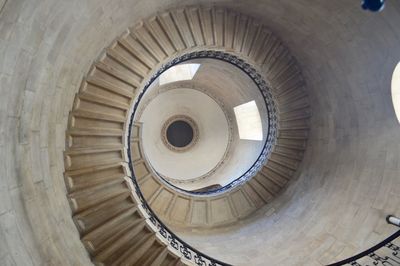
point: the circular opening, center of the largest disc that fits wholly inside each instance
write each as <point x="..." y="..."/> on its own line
<point x="179" y="134"/>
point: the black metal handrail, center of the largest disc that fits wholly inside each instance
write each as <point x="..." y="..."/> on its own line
<point x="386" y="253"/>
<point x="174" y="241"/>
<point x="390" y="251"/>
<point x="267" y="97"/>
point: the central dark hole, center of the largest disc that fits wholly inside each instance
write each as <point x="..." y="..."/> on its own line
<point x="179" y="134"/>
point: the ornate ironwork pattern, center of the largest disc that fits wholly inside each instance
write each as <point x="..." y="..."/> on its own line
<point x="385" y="253"/>
<point x="175" y="242"/>
<point x="272" y="112"/>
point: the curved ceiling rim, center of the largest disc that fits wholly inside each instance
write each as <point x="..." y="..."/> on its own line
<point x="265" y="91"/>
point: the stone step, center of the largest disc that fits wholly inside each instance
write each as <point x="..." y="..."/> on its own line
<point x="104" y="235"/>
<point x="99" y="214"/>
<point x="84" y="199"/>
<point x="109" y="102"/>
<point x="123" y="245"/>
<point x="138" y="51"/>
<point x="90" y="157"/>
<point x="120" y="54"/>
<point x="274" y="176"/>
<point x="260" y="190"/>
<point x="145" y="254"/>
<point x="117" y="71"/>
<point x="111" y="85"/>
<point x="290" y="153"/>
<point x="149" y="41"/>
<point x="93" y="176"/>
<point x="104" y="210"/>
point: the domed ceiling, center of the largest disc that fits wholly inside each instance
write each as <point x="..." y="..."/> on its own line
<point x="210" y="101"/>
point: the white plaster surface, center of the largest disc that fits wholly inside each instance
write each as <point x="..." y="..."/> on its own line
<point x="230" y="87"/>
<point x="211" y="144"/>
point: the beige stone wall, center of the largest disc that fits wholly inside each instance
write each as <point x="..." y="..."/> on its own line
<point x="46" y="47"/>
<point x="350" y="176"/>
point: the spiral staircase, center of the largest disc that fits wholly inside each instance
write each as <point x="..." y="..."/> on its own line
<point x="112" y="226"/>
<point x="124" y="213"/>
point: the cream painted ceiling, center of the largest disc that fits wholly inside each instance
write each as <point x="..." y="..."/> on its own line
<point x="221" y="155"/>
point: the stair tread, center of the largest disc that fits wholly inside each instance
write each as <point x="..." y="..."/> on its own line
<point x="98" y="115"/>
<point x="87" y="96"/>
<point x="99" y="82"/>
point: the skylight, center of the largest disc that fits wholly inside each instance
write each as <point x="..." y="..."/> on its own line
<point x="179" y="72"/>
<point x="249" y="121"/>
<point x="396" y="91"/>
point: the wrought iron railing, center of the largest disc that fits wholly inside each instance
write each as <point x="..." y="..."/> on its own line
<point x="177" y="244"/>
<point x="386" y="253"/>
<point x="181" y="247"/>
<point x="265" y="92"/>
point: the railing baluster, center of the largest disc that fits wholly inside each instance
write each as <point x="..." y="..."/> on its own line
<point x="385" y="253"/>
<point x="175" y="242"/>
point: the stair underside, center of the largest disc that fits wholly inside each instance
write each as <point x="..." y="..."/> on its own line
<point x="112" y="227"/>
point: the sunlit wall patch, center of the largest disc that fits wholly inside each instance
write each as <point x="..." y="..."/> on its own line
<point x="249" y="121"/>
<point x="178" y="73"/>
<point x="396" y="91"/>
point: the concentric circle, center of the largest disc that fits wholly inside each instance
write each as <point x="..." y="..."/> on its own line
<point x="180" y="133"/>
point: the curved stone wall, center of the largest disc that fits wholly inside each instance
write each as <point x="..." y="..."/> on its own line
<point x="350" y="177"/>
<point x="45" y="48"/>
